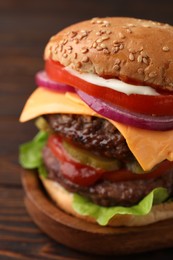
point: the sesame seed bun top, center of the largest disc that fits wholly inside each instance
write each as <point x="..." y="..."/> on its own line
<point x="117" y="47"/>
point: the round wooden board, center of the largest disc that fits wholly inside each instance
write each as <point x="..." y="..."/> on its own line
<point x="88" y="237"/>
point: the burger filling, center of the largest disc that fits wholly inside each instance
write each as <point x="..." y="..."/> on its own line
<point x="92" y="133"/>
<point x="105" y="192"/>
<point x="89" y="156"/>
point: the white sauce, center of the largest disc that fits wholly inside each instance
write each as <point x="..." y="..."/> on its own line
<point x="114" y="84"/>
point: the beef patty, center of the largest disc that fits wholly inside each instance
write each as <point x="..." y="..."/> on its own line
<point x="106" y="193"/>
<point x="91" y="133"/>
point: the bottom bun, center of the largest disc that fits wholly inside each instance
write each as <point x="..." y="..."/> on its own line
<point x="63" y="200"/>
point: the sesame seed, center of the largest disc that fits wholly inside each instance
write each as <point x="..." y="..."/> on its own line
<point x="105" y="38"/>
<point x="105" y="23"/>
<point x="131" y="57"/>
<point x="143" y="53"/>
<point x="117" y="61"/>
<point x="65" y="41"/>
<point x="99" y="48"/>
<point x="118" y="44"/>
<point x="73" y="34"/>
<point x="139" y="58"/>
<point x="76" y="41"/>
<point x="75" y="55"/>
<point x="116" y="67"/>
<point x="121" y="46"/>
<point x="121" y="35"/>
<point x="81" y="37"/>
<point x="98" y="33"/>
<point x="84" y="50"/>
<point x="99" y="21"/>
<point x="61" y="48"/>
<point x="115" y="44"/>
<point x="94" y="45"/>
<point x="84" y="34"/>
<point x="61" y="42"/>
<point x="146" y="25"/>
<point x="78" y="64"/>
<point x="165" y="48"/>
<point x="69" y="51"/>
<point x="140" y="71"/>
<point x="106" y="51"/>
<point x="99" y="40"/>
<point x="166" y="25"/>
<point x="167" y="80"/>
<point x="90" y="45"/>
<point x="131" y="25"/>
<point x="103" y="45"/>
<point x="55" y="47"/>
<point x="108" y="32"/>
<point x="85" y="59"/>
<point x="52" y="38"/>
<point x="65" y="55"/>
<point x="129" y="30"/>
<point x="69" y="48"/>
<point x="115" y="50"/>
<point x="152" y="74"/>
<point x="93" y="20"/>
<point x="145" y="60"/>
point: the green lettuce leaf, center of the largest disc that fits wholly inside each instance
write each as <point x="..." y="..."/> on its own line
<point x="30" y="156"/>
<point x="42" y="171"/>
<point x="103" y="214"/>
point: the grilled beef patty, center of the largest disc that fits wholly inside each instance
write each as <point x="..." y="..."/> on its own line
<point x="91" y="133"/>
<point x="106" y="193"/>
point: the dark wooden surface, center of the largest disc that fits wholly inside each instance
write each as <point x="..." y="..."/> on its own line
<point x="25" y="27"/>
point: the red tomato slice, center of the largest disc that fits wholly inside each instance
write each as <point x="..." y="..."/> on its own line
<point x="80" y="174"/>
<point x="75" y="172"/>
<point x="125" y="175"/>
<point x="158" y="105"/>
<point x="86" y="176"/>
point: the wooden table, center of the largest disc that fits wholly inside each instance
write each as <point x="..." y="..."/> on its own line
<point x="25" y="27"/>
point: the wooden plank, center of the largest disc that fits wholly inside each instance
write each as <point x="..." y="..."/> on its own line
<point x="25" y="27"/>
<point x="19" y="237"/>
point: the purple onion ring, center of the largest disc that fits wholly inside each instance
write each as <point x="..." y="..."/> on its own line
<point x="43" y="80"/>
<point x="126" y="117"/>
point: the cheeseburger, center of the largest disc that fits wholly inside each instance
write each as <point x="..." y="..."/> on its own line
<point x="104" y="110"/>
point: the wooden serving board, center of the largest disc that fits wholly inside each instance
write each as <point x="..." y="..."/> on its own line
<point x="87" y="237"/>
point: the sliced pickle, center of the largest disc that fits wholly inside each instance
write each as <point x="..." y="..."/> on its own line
<point x="135" y="167"/>
<point x="88" y="158"/>
<point x="43" y="125"/>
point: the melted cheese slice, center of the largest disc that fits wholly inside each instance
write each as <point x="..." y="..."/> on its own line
<point x="149" y="147"/>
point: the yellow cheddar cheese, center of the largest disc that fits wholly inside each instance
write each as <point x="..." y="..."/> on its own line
<point x="149" y="147"/>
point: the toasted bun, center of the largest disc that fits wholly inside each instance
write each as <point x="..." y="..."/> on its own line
<point x="125" y="48"/>
<point x="63" y="199"/>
